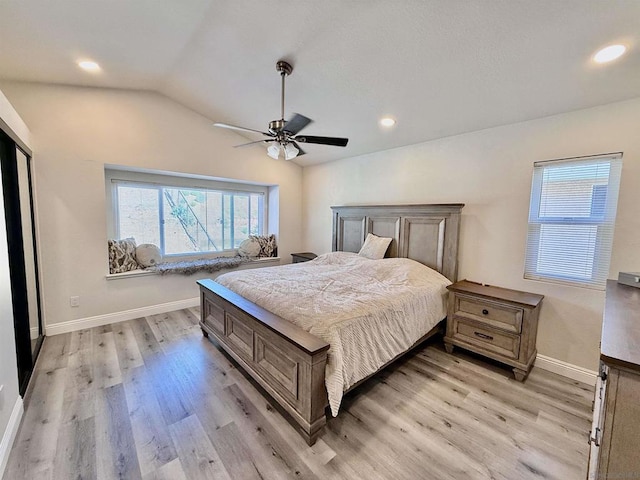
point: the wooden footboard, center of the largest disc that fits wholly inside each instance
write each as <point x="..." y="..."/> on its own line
<point x="288" y="362"/>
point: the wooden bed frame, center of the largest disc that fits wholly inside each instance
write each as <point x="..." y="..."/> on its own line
<point x="288" y="362"/>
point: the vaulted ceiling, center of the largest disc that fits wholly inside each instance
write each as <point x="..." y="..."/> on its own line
<point x="440" y="67"/>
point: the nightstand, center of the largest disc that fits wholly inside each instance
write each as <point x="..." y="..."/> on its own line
<point x="496" y="322"/>
<point x="302" y="257"/>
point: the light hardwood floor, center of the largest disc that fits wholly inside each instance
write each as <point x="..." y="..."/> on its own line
<point x="152" y="399"/>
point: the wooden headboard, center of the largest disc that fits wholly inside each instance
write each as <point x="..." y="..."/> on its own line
<point x="425" y="233"/>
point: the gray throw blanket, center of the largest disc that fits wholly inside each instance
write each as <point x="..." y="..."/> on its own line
<point x="202" y="264"/>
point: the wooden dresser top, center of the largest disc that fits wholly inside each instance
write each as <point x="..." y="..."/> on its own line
<point x="621" y="326"/>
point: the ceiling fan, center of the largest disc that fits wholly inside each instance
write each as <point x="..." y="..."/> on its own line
<point x="284" y="135"/>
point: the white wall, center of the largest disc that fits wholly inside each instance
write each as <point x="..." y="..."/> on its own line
<point x="78" y="131"/>
<point x="490" y="171"/>
<point x="8" y="362"/>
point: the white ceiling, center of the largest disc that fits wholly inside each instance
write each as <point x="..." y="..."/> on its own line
<point x="441" y="67"/>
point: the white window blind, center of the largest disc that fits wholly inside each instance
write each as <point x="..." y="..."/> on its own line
<point x="571" y="219"/>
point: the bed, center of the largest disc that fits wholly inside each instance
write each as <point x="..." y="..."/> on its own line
<point x="287" y="353"/>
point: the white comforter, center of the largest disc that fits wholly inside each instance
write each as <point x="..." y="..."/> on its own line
<point x="369" y="311"/>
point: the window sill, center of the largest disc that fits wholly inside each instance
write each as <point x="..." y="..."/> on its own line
<point x="132" y="273"/>
<point x="256" y="263"/>
<point x="562" y="281"/>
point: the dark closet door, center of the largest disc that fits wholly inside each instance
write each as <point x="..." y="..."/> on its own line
<point x="23" y="265"/>
<point x="23" y="166"/>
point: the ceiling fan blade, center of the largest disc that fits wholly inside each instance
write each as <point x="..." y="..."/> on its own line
<point x="297" y="123"/>
<point x="335" y="141"/>
<point x="242" y="129"/>
<point x="300" y="151"/>
<point x="266" y="140"/>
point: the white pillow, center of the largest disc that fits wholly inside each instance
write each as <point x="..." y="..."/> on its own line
<point x="148" y="255"/>
<point x="374" y="247"/>
<point x="249" y="248"/>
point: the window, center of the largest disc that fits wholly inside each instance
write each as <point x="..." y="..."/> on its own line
<point x="183" y="219"/>
<point x="571" y="219"/>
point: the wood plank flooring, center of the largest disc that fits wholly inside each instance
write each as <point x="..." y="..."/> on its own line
<point x="152" y="399"/>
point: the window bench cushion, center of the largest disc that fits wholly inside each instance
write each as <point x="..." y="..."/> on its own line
<point x="200" y="265"/>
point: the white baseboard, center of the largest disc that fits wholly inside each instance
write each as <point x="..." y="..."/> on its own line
<point x="10" y="434"/>
<point x="566" y="369"/>
<point x="99" y="320"/>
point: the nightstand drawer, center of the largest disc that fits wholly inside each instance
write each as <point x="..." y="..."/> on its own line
<point x="501" y="343"/>
<point x="497" y="315"/>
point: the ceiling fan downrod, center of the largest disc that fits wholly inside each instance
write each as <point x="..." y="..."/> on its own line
<point x="285" y="69"/>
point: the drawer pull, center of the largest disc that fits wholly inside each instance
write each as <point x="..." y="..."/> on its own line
<point x="485" y="312"/>
<point x="482" y="335"/>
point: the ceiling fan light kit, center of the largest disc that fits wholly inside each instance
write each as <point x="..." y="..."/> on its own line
<point x="290" y="152"/>
<point x="284" y="134"/>
<point x="273" y="151"/>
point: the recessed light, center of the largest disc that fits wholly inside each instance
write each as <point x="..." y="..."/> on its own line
<point x="609" y="53"/>
<point x="387" y="122"/>
<point x="89" y="66"/>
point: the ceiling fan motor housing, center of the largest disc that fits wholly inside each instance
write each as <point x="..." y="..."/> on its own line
<point x="276" y="126"/>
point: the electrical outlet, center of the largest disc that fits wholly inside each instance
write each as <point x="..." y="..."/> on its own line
<point x="74" y="301"/>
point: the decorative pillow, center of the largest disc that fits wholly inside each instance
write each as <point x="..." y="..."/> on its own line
<point x="122" y="255"/>
<point x="268" y="247"/>
<point x="374" y="247"/>
<point x="249" y="248"/>
<point x="148" y="255"/>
